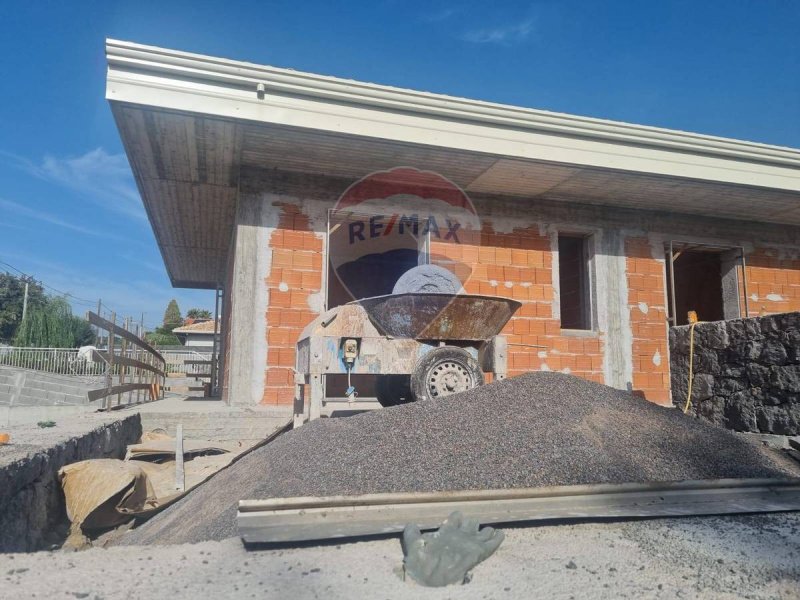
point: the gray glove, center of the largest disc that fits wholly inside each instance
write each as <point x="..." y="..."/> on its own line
<point x="446" y="556"/>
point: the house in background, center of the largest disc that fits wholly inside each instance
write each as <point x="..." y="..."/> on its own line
<point x="606" y="232"/>
<point x="198" y="336"/>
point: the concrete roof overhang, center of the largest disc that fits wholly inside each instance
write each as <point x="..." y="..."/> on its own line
<point x="190" y="123"/>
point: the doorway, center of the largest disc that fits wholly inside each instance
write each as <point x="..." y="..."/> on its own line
<point x="704" y="279"/>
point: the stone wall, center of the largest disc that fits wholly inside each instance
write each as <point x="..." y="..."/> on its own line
<point x="746" y="372"/>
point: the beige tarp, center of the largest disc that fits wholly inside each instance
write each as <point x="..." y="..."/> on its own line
<point x="103" y="493"/>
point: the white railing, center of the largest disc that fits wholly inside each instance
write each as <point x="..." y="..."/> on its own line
<point x="65" y="361"/>
<point x="62" y="361"/>
<point x="177" y="361"/>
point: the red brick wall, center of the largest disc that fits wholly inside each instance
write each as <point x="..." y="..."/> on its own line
<point x="648" y="316"/>
<point x="295" y="275"/>
<point x="774" y="279"/>
<point x="516" y="264"/>
<point x="519" y="265"/>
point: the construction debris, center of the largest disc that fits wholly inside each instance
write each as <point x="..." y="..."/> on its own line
<point x="539" y="429"/>
<point x="105" y="493"/>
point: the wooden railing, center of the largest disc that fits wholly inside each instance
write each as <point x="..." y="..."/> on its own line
<point x="140" y="368"/>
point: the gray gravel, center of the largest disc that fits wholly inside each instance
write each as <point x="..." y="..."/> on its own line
<point x="538" y="429"/>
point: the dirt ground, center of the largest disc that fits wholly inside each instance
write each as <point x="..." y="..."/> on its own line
<point x="701" y="557"/>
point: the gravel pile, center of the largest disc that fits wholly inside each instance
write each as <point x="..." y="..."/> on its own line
<point x="539" y="429"/>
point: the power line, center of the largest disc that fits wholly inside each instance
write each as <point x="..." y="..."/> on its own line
<point x="83" y="301"/>
<point x="69" y="295"/>
<point x="50" y="287"/>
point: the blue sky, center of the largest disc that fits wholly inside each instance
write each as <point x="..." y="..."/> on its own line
<point x="69" y="211"/>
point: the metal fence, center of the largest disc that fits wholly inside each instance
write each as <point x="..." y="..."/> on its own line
<point x="68" y="361"/>
<point x="61" y="361"/>
<point x="190" y="362"/>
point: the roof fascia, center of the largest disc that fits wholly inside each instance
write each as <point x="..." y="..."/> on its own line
<point x="173" y="80"/>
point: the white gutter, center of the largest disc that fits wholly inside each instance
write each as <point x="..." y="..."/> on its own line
<point x="184" y="65"/>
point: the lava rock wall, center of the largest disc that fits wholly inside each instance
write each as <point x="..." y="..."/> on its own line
<point x="746" y="372"/>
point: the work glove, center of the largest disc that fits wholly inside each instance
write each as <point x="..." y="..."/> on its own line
<point x="447" y="555"/>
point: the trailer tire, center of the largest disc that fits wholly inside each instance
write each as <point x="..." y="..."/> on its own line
<point x="392" y="390"/>
<point x="443" y="372"/>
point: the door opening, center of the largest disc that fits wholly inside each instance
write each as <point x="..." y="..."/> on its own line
<point x="704" y="279"/>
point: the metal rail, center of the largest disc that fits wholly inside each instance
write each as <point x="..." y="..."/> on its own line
<point x="59" y="361"/>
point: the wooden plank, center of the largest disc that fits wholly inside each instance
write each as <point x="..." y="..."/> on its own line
<point x="120" y="389"/>
<point x="131" y="362"/>
<point x="180" y="475"/>
<point x="504" y="494"/>
<point x="99" y="321"/>
<point x="299" y="519"/>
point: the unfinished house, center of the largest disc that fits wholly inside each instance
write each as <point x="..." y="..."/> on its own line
<point x="256" y="181"/>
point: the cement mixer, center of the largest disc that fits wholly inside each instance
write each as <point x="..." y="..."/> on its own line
<point x="420" y="345"/>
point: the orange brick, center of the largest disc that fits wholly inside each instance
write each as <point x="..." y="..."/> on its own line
<point x="520" y="326"/>
<point x="292" y="278"/>
<point x="294" y="239"/>
<point x="486" y="255"/>
<point x="303" y="259"/>
<point x="310" y="280"/>
<point x="503" y="256"/>
<point x="299" y="298"/>
<point x="279" y="336"/>
<point x="552" y="327"/>
<point x="279" y="376"/>
<point x="279" y="298"/>
<point x="312" y="242"/>
<point x="282" y="257"/>
<point x="276" y="238"/>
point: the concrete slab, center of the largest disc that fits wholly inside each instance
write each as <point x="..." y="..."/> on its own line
<point x="211" y="419"/>
<point x="710" y="557"/>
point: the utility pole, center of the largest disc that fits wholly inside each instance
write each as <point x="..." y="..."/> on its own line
<point x="25" y="302"/>
<point x="98" y="334"/>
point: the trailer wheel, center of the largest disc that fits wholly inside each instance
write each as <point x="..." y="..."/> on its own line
<point x="392" y="390"/>
<point x="443" y="372"/>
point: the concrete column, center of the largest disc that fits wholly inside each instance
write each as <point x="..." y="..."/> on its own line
<point x="248" y="297"/>
<point x="612" y="308"/>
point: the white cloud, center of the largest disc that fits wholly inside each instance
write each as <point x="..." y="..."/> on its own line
<point x="439" y="16"/>
<point x="97" y="176"/>
<point x="7" y="206"/>
<point x="504" y="35"/>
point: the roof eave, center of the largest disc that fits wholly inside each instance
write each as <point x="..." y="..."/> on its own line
<point x="238" y="75"/>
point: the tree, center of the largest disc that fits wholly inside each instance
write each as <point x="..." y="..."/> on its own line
<point x="172" y="316"/>
<point x="12" y="293"/>
<point x="163" y="336"/>
<point x="158" y="338"/>
<point x="198" y="313"/>
<point x="53" y="326"/>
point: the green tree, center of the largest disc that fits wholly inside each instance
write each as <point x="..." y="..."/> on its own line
<point x="198" y="313"/>
<point x="163" y="336"/>
<point x="53" y="326"/>
<point x="172" y="317"/>
<point x="159" y="338"/>
<point x="12" y="292"/>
